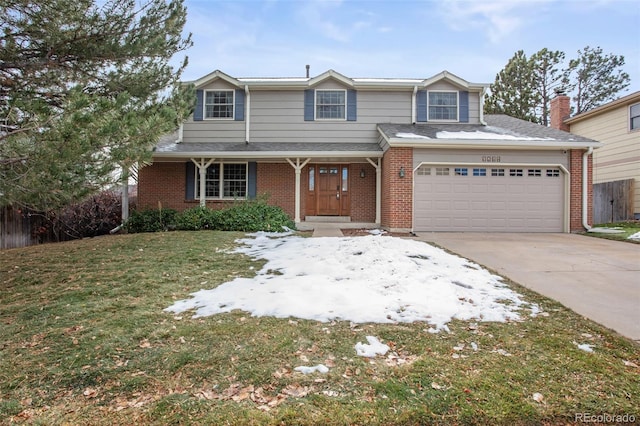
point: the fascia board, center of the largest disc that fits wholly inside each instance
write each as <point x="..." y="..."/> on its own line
<point x="271" y="154"/>
<point x="446" y="75"/>
<point x="618" y="103"/>
<point x="485" y="144"/>
<point x="330" y="74"/>
<point x="217" y="74"/>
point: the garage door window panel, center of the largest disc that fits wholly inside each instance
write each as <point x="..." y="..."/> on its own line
<point x="516" y="172"/>
<point x="424" y="171"/>
<point x="497" y="172"/>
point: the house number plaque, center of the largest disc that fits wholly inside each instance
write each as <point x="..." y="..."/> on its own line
<point x="490" y="158"/>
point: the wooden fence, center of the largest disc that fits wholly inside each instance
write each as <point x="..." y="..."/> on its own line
<point x="613" y="201"/>
<point x="18" y="228"/>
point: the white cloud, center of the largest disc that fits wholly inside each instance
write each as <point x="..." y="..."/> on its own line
<point x="497" y="19"/>
<point x="320" y="15"/>
<point x="329" y="19"/>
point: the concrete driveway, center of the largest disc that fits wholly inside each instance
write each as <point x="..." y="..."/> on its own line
<point x="597" y="278"/>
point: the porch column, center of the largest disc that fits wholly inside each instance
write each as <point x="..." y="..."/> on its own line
<point x="298" y="168"/>
<point x="125" y="194"/>
<point x="202" y="169"/>
<point x="378" y="168"/>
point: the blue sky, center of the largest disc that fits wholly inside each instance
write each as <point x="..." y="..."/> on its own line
<point x="413" y="39"/>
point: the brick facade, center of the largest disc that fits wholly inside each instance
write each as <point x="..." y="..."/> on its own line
<point x="397" y="192"/>
<point x="561" y="110"/>
<point x="575" y="190"/>
<point x="363" y="193"/>
<point x="277" y="182"/>
<point x="163" y="184"/>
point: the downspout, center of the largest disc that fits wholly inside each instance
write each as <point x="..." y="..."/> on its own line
<point x="247" y="113"/>
<point x="484" y="92"/>
<point x="585" y="188"/>
<point x="413" y="105"/>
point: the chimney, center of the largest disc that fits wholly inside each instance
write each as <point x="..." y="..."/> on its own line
<point x="308" y="66"/>
<point x="560" y="111"/>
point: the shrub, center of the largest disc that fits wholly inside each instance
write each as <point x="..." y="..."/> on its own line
<point x="246" y="216"/>
<point x="95" y="215"/>
<point x="195" y="219"/>
<point x="152" y="220"/>
<point x="251" y="216"/>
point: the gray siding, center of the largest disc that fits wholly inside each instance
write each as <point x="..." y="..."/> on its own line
<point x="278" y="116"/>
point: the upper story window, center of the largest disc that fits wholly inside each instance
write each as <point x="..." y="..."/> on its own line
<point x="634" y="117"/>
<point x="443" y="106"/>
<point x="218" y="104"/>
<point x="330" y="104"/>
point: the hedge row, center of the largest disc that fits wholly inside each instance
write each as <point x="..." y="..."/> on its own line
<point x="248" y="216"/>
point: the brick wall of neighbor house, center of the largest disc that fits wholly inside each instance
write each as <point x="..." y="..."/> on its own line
<point x="162" y="183"/>
<point x="397" y="192"/>
<point x="575" y="197"/>
<point x="363" y="193"/>
<point x="277" y="181"/>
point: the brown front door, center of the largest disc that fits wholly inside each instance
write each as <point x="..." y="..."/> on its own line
<point x="329" y="189"/>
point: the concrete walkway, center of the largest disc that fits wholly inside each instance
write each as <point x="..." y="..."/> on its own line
<point x="327" y="230"/>
<point x="597" y="278"/>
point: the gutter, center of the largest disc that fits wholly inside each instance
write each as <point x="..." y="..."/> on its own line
<point x="247" y="113"/>
<point x="585" y="187"/>
<point x="482" y="93"/>
<point x="413" y="105"/>
<point x="265" y="154"/>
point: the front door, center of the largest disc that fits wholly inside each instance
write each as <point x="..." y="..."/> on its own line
<point x="329" y="188"/>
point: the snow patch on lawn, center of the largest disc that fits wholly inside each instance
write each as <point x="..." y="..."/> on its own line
<point x="376" y="279"/>
<point x="320" y="368"/>
<point x="373" y="348"/>
<point x="635" y="236"/>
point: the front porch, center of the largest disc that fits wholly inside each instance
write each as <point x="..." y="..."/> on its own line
<point x="331" y="226"/>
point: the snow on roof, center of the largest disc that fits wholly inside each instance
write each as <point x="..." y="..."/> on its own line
<point x="364" y="279"/>
<point x="411" y="136"/>
<point x="478" y="135"/>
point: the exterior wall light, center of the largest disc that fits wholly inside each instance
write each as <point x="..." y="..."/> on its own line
<point x="401" y="173"/>
<point x="362" y="173"/>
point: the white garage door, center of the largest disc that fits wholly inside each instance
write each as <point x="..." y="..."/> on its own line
<point x="482" y="199"/>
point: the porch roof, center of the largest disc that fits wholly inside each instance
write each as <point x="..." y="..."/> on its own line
<point x="170" y="147"/>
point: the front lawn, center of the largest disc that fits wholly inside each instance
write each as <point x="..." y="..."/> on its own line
<point x="84" y="339"/>
<point x="622" y="231"/>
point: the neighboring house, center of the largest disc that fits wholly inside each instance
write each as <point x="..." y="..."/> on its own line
<point x="403" y="154"/>
<point x="617" y="125"/>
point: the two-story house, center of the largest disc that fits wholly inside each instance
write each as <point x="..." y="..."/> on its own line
<point x="404" y="154"/>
